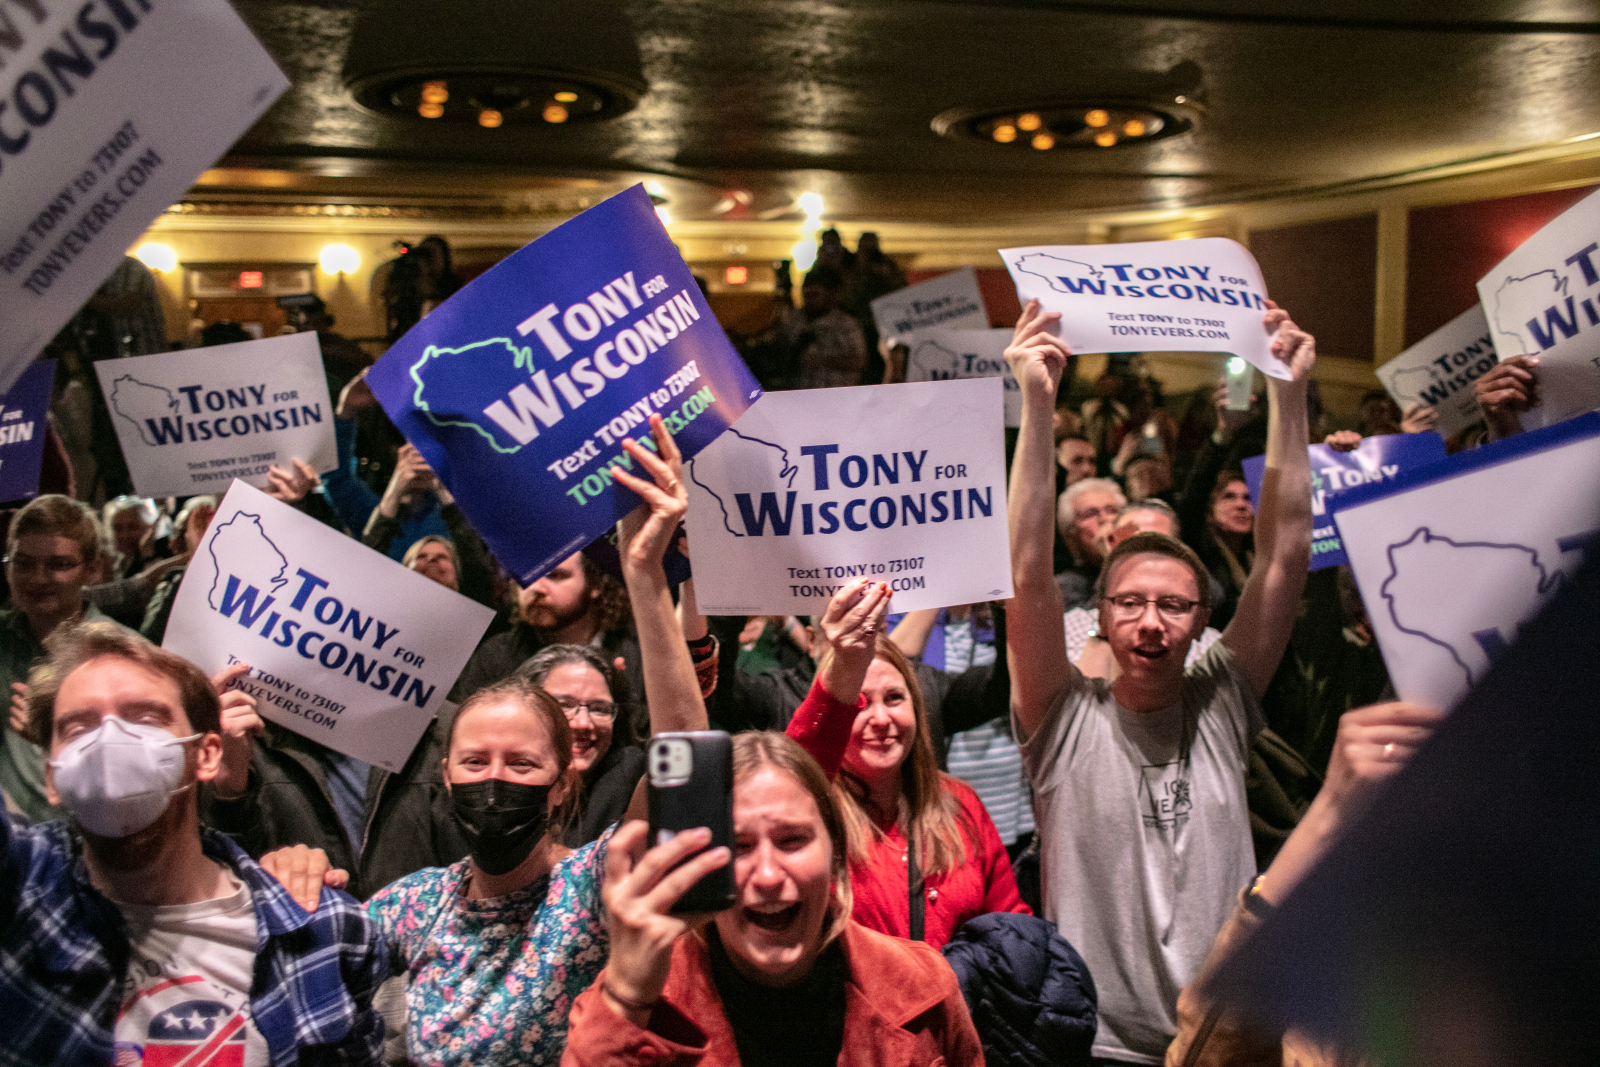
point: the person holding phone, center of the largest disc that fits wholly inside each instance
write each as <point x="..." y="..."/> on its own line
<point x="491" y="950"/>
<point x="865" y="723"/>
<point x="787" y="950"/>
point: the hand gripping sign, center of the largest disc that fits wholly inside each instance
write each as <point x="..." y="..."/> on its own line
<point x="345" y="646"/>
<point x="111" y="109"/>
<point x="191" y="422"/>
<point x="1544" y="300"/>
<point x="1453" y="558"/>
<point x="1204" y="295"/>
<point x="519" y="389"/>
<point x="819" y="486"/>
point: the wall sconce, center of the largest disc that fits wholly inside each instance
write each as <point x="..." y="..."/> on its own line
<point x="339" y="259"/>
<point x="157" y="256"/>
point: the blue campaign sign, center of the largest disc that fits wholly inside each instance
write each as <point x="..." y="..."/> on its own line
<point x="519" y="389"/>
<point x="23" y="411"/>
<point x="1378" y="459"/>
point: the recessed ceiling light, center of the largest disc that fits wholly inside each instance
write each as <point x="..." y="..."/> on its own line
<point x="555" y="113"/>
<point x="565" y="97"/>
<point x="1067" y="124"/>
<point x="490" y="118"/>
<point x="430" y="111"/>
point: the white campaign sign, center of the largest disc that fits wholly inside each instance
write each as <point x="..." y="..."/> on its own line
<point x="345" y="645"/>
<point x="1202" y="295"/>
<point x="115" y="107"/>
<point x="816" y="487"/>
<point x="190" y="422"/>
<point x="1450" y="568"/>
<point x="1439" y="370"/>
<point x="940" y="355"/>
<point x="1544" y="299"/>
<point x="950" y="300"/>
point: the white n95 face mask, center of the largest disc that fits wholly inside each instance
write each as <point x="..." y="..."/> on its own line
<point x="117" y="778"/>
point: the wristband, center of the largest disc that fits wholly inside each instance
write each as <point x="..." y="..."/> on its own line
<point x="702" y="646"/>
<point x="631" y="1005"/>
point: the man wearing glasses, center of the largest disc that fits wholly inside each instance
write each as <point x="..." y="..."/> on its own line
<point x="52" y="552"/>
<point x="1139" y="782"/>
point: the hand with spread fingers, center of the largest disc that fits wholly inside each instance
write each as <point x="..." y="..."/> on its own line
<point x="850" y="627"/>
<point x="640" y="890"/>
<point x="303" y="872"/>
<point x="645" y="532"/>
<point x="241" y="725"/>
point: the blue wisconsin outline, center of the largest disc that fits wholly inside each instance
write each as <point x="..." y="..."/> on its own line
<point x="786" y="473"/>
<point x="523" y="361"/>
<point x="1547" y="583"/>
<point x="277" y="582"/>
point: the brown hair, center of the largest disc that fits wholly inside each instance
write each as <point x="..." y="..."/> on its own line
<point x="1161" y="545"/>
<point x="70" y="647"/>
<point x="520" y="691"/>
<point x="930" y="815"/>
<point x="756" y="749"/>
<point x="611" y="608"/>
<point x="1224" y="479"/>
<point x="58" y="516"/>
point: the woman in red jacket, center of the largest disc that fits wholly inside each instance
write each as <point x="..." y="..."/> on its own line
<point x="784" y="976"/>
<point x="864" y="722"/>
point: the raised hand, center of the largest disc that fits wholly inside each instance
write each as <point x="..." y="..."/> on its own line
<point x="1510" y="388"/>
<point x="1372" y="744"/>
<point x="1419" y="418"/>
<point x="645" y="532"/>
<point x="640" y="889"/>
<point x="1229" y="422"/>
<point x="292" y="485"/>
<point x="1036" y="355"/>
<point x="850" y="627"/>
<point x="240" y="726"/>
<point x="1292" y="346"/>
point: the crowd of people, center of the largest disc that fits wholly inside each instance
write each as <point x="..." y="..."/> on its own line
<point x="1117" y="771"/>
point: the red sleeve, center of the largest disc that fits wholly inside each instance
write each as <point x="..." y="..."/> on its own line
<point x="822" y="725"/>
<point x="597" y="1037"/>
<point x="999" y="883"/>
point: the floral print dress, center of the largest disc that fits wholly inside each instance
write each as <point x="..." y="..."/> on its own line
<point x="491" y="981"/>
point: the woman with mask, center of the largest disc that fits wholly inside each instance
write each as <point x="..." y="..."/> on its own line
<point x="785" y="976"/>
<point x="594" y="696"/>
<point x="493" y="948"/>
<point x="864" y="721"/>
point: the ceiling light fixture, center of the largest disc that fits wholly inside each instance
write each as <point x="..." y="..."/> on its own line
<point x="1072" y="124"/>
<point x="534" y="63"/>
<point x="157" y="256"/>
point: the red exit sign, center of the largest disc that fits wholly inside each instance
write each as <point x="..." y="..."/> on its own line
<point x="250" y="279"/>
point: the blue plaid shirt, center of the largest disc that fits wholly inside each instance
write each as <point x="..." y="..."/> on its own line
<point x="64" y="953"/>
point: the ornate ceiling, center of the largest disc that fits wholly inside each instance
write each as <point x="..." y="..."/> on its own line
<point x="753" y="101"/>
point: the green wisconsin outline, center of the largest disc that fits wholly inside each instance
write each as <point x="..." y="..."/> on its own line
<point x="523" y="361"/>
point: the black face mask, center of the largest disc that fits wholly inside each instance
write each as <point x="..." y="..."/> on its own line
<point x="502" y="821"/>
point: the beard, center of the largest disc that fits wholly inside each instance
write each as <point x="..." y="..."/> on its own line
<point x="544" y="616"/>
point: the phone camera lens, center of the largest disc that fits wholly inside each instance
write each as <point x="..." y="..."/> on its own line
<point x="663" y="766"/>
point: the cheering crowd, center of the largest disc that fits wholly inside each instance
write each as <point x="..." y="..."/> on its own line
<point x="1012" y="831"/>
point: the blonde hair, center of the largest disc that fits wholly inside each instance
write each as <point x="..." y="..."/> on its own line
<point x="930" y="815"/>
<point x="756" y="749"/>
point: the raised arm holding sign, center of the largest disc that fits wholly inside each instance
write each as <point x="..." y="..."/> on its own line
<point x="1139" y="783"/>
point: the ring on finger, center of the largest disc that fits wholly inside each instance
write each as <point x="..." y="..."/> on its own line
<point x="1388" y="750"/>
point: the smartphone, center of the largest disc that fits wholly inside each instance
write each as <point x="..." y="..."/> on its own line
<point x="691" y="785"/>
<point x="1241" y="376"/>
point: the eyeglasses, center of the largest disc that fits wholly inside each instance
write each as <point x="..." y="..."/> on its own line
<point x="57" y="565"/>
<point x="1132" y="605"/>
<point x="1107" y="512"/>
<point x="603" y="710"/>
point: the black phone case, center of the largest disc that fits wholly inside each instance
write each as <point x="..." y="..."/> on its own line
<point x="706" y="799"/>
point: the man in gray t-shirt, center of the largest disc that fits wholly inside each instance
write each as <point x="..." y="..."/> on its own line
<point x="1139" y="782"/>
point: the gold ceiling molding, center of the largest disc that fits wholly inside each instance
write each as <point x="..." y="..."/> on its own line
<point x="441" y="212"/>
